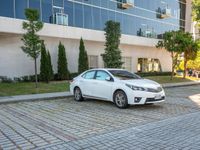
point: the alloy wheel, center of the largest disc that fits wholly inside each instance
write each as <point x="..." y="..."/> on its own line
<point x="78" y="94"/>
<point x="120" y="99"/>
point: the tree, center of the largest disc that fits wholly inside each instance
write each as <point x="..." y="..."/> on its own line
<point x="83" y="58"/>
<point x="195" y="64"/>
<point x="32" y="42"/>
<point x="46" y="71"/>
<point x="196" y="10"/>
<point x="190" y="48"/>
<point x="63" y="72"/>
<point x="172" y="43"/>
<point x="112" y="56"/>
<point x="50" y="67"/>
<point x="43" y="64"/>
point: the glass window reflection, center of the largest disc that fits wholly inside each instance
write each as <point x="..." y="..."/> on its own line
<point x="7" y="8"/>
<point x="20" y="9"/>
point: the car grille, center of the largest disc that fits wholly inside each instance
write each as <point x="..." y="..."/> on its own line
<point x="154" y="100"/>
<point x="157" y="90"/>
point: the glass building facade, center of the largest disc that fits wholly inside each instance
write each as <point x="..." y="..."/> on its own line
<point x="148" y="18"/>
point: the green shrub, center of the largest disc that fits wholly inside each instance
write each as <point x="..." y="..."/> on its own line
<point x="146" y="74"/>
<point x="50" y="67"/>
<point x="112" y="56"/>
<point x="4" y="79"/>
<point x="73" y="75"/>
<point x="43" y="64"/>
<point x="63" y="72"/>
<point x="83" y="58"/>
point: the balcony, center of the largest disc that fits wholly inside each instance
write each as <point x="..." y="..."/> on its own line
<point x="125" y="4"/>
<point x="149" y="33"/>
<point x="59" y="18"/>
<point x="163" y="13"/>
<point x="166" y="13"/>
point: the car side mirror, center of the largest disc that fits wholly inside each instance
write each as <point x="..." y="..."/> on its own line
<point x="109" y="79"/>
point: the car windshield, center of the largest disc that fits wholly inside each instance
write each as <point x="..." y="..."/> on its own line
<point x="124" y="75"/>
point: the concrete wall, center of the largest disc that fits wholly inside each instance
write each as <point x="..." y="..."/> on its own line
<point x="14" y="26"/>
<point x="14" y="63"/>
<point x="188" y="23"/>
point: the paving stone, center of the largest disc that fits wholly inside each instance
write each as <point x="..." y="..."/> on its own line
<point x="66" y="124"/>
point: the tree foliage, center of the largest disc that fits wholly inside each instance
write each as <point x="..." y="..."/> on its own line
<point x="195" y="64"/>
<point x="112" y="56"/>
<point x="196" y="10"/>
<point x="83" y="58"/>
<point x="32" y="42"/>
<point x="172" y="43"/>
<point x="177" y="42"/>
<point x="46" y="71"/>
<point x="50" y="67"/>
<point x="43" y="64"/>
<point x="63" y="72"/>
<point x="190" y="48"/>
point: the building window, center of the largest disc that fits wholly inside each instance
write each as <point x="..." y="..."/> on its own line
<point x="20" y="9"/>
<point x="46" y="10"/>
<point x="149" y="65"/>
<point x="7" y="8"/>
<point x="78" y="15"/>
<point x="127" y="63"/>
<point x="93" y="61"/>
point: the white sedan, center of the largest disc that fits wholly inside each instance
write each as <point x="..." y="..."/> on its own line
<point x="116" y="85"/>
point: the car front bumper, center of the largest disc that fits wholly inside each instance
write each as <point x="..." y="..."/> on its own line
<point x="142" y="97"/>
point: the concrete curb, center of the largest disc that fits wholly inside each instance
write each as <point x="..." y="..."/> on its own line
<point x="34" y="97"/>
<point x="173" y="85"/>
<point x="60" y="95"/>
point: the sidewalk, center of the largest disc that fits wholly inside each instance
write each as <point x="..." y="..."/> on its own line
<point x="34" y="97"/>
<point x="172" y="85"/>
<point x="48" y="96"/>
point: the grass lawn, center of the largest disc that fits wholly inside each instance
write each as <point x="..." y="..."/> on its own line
<point x="166" y="79"/>
<point x="11" y="89"/>
<point x="8" y="89"/>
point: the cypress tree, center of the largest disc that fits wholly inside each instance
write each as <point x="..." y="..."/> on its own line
<point x="63" y="72"/>
<point x="83" y="58"/>
<point x="50" y="68"/>
<point x="112" y="55"/>
<point x="43" y="64"/>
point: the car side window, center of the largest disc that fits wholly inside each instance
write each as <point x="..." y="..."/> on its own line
<point x="89" y="75"/>
<point x="102" y="75"/>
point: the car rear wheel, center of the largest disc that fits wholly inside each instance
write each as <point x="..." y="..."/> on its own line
<point x="120" y="99"/>
<point x="77" y="94"/>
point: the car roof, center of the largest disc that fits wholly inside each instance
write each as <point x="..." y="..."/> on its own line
<point x="106" y="69"/>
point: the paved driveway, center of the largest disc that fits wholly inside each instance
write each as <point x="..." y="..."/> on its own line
<point x="66" y="124"/>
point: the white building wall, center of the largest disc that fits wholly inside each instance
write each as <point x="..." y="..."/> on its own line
<point x="15" y="63"/>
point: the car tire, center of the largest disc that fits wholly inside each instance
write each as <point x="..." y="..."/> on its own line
<point x="78" y="94"/>
<point x="120" y="99"/>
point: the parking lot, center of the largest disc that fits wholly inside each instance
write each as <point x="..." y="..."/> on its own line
<point x="92" y="124"/>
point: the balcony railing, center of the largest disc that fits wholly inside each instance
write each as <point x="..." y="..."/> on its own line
<point x="59" y="18"/>
<point x="125" y="4"/>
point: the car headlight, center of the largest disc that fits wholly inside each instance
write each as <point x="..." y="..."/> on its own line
<point x="157" y="90"/>
<point x="136" y="88"/>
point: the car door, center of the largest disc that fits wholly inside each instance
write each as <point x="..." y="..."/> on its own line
<point x="102" y="88"/>
<point x="86" y="83"/>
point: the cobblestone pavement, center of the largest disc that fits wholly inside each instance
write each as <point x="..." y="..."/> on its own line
<point x="66" y="124"/>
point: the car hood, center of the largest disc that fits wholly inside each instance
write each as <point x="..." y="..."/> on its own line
<point x="142" y="83"/>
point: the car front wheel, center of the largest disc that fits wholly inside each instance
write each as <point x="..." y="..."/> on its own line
<point x="77" y="94"/>
<point x="120" y="99"/>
